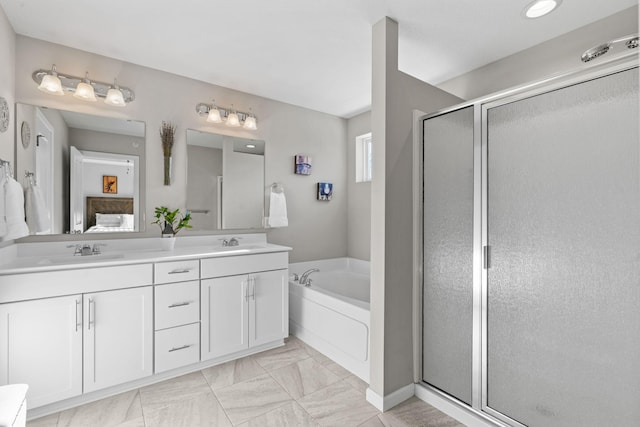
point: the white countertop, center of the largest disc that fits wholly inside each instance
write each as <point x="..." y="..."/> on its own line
<point x="53" y="256"/>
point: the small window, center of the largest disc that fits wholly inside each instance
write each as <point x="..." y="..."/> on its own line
<point x="364" y="163"/>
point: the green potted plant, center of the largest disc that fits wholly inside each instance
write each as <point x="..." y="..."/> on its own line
<point x="170" y="223"/>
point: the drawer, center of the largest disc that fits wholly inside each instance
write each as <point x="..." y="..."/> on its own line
<point x="176" y="304"/>
<point x="176" y="271"/>
<point x="177" y="347"/>
<point x="232" y="265"/>
<point x="19" y="287"/>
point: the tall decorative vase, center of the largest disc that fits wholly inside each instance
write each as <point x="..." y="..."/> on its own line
<point x="167" y="170"/>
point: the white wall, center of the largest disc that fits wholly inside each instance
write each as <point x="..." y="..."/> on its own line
<point x="394" y="97"/>
<point x="557" y="55"/>
<point x="359" y="204"/>
<point x="317" y="230"/>
<point x="7" y="82"/>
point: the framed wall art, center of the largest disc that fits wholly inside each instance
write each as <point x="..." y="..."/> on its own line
<point x="109" y="184"/>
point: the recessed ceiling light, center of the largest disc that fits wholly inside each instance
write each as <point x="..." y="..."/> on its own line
<point x="540" y="8"/>
<point x="250" y="146"/>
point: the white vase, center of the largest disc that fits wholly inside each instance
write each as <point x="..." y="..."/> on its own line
<point x="168" y="242"/>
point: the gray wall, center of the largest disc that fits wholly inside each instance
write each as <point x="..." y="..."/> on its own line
<point x="395" y="96"/>
<point x="317" y="230"/>
<point x="359" y="204"/>
<point x="560" y="54"/>
<point x="7" y="82"/>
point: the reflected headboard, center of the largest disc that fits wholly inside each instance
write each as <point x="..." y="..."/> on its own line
<point x="107" y="205"/>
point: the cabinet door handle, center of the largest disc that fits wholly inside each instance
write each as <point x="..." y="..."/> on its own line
<point x="245" y="286"/>
<point x="179" y="304"/>
<point x="179" y="348"/>
<point x="77" y="308"/>
<point x="252" y="283"/>
<point x="91" y="318"/>
<point x="180" y="271"/>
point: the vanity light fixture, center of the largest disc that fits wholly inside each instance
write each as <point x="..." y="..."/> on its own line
<point x="539" y="8"/>
<point x="229" y="116"/>
<point x="55" y="83"/>
<point x="84" y="90"/>
<point x="50" y="83"/>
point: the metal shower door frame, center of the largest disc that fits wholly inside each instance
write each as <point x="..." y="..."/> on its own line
<point x="481" y="256"/>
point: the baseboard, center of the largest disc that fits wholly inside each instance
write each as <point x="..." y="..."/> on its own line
<point x="466" y="415"/>
<point x="390" y="400"/>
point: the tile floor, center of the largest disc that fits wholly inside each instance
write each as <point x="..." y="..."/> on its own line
<point x="293" y="385"/>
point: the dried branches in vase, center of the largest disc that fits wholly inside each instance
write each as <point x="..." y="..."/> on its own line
<point x="167" y="134"/>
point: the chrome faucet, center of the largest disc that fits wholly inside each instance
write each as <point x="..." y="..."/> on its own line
<point x="81" y="250"/>
<point x="231" y="242"/>
<point x="86" y="249"/>
<point x="304" y="279"/>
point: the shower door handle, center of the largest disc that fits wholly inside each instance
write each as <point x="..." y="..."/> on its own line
<point x="486" y="256"/>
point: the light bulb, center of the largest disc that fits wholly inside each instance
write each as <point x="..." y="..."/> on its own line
<point x="84" y="90"/>
<point x="114" y="96"/>
<point x="51" y="83"/>
<point x="250" y="123"/>
<point x="214" y="115"/>
<point x="233" y="120"/>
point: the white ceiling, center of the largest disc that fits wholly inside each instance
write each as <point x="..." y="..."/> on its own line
<point x="315" y="54"/>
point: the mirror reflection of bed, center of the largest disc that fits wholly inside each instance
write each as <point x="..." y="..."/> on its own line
<point x="109" y="215"/>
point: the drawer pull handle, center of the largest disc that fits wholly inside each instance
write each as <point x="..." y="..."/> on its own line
<point x="179" y="348"/>
<point x="184" y="270"/>
<point x="179" y="304"/>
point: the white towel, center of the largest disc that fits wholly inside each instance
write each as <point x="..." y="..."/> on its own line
<point x="3" y="220"/>
<point x="278" y="210"/>
<point x="14" y="210"/>
<point x="36" y="210"/>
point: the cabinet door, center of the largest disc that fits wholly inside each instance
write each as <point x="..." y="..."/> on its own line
<point x="41" y="345"/>
<point x="224" y="316"/>
<point x="268" y="307"/>
<point x="118" y="335"/>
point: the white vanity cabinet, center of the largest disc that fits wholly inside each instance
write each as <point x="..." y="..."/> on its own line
<point x="75" y="331"/>
<point x="117" y="337"/>
<point x="244" y="302"/>
<point x="41" y="345"/>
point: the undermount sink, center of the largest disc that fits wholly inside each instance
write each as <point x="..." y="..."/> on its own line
<point x="237" y="249"/>
<point x="78" y="259"/>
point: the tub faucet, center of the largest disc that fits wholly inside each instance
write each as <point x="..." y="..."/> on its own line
<point x="304" y="279"/>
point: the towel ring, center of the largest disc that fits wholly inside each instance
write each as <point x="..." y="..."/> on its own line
<point x="277" y="188"/>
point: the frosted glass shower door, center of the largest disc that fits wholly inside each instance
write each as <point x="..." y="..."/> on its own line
<point x="563" y="313"/>
<point x="448" y="253"/>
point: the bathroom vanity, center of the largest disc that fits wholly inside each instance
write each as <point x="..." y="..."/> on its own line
<point x="77" y="328"/>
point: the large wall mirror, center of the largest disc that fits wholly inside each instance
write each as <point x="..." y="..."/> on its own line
<point x="90" y="170"/>
<point x="225" y="181"/>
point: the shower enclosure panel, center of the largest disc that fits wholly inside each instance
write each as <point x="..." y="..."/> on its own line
<point x="448" y="159"/>
<point x="563" y="228"/>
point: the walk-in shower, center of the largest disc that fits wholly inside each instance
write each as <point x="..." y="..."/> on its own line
<point x="531" y="252"/>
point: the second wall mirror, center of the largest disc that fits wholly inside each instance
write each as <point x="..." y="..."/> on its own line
<point x="225" y="181"/>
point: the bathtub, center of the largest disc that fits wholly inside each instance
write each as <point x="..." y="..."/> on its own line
<point x="332" y="315"/>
